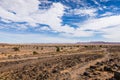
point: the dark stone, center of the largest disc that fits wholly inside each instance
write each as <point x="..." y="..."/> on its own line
<point x="111" y="60"/>
<point x="92" y="67"/>
<point x="97" y="79"/>
<point x="86" y="74"/>
<point x="101" y="69"/>
<point x="95" y="73"/>
<point x="106" y="68"/>
<point x="117" y="75"/>
<point x="55" y="71"/>
<point x="116" y="65"/>
<point x="99" y="63"/>
<point x="112" y="79"/>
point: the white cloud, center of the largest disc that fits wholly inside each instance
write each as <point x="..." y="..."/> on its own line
<point x="44" y="28"/>
<point x="95" y="1"/>
<point x="22" y="8"/>
<point x="97" y="24"/>
<point x="104" y="0"/>
<point x="107" y="14"/>
<point x="109" y="27"/>
<point x="99" y="5"/>
<point x="79" y="33"/>
<point x="28" y="11"/>
<point x="32" y="38"/>
<point x="112" y="33"/>
<point x="84" y="11"/>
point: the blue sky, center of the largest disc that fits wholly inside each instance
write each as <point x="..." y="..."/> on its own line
<point x="59" y="21"/>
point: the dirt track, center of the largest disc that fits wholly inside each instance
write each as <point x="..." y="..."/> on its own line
<point x="92" y="64"/>
<point x="80" y="69"/>
<point x="62" y="67"/>
<point x="45" y="69"/>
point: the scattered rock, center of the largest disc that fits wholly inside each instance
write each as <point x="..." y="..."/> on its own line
<point x="111" y="60"/>
<point x="99" y="63"/>
<point x="92" y="67"/>
<point x="117" y="75"/>
<point x="86" y="74"/>
<point x="112" y="79"/>
<point x="106" y="68"/>
<point x="116" y="65"/>
<point x="55" y="71"/>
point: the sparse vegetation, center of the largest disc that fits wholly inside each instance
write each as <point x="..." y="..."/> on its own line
<point x="15" y="48"/>
<point x="59" y="61"/>
<point x="57" y="49"/>
<point x="86" y="46"/>
<point x="34" y="52"/>
<point x="61" y="48"/>
<point x="3" y="45"/>
<point x="41" y="48"/>
<point x="77" y="46"/>
<point x="100" y="45"/>
<point x="10" y="56"/>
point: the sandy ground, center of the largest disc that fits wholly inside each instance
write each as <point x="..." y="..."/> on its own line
<point x="71" y="62"/>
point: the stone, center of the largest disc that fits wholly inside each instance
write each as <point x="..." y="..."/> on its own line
<point x="86" y="73"/>
<point x="99" y="63"/>
<point x="117" y="75"/>
<point x="55" y="71"/>
<point x="92" y="67"/>
<point x="106" y="68"/>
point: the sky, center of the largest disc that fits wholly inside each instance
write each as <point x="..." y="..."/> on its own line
<point x="59" y="21"/>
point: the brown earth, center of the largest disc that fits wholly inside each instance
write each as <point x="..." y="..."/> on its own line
<point x="70" y="62"/>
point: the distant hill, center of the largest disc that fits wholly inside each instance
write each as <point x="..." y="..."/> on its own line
<point x="98" y="42"/>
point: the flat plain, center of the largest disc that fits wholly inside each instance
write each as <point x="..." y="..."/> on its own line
<point x="60" y="61"/>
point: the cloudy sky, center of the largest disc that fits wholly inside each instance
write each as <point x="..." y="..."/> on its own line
<point x="59" y="21"/>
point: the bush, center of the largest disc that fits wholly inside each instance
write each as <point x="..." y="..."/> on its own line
<point x="77" y="46"/>
<point x="57" y="49"/>
<point x="100" y="45"/>
<point x="15" y="49"/>
<point x="86" y="46"/>
<point x="34" y="52"/>
<point x="61" y="48"/>
<point x="41" y="48"/>
<point x="70" y="47"/>
<point x="10" y="57"/>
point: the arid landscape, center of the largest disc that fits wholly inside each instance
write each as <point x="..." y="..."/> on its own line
<point x="59" y="39"/>
<point x="60" y="61"/>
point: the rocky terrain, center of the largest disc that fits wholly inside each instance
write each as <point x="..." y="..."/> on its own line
<point x="104" y="70"/>
<point x="85" y="62"/>
<point x="55" y="68"/>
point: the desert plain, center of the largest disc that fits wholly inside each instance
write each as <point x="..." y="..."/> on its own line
<point x="59" y="61"/>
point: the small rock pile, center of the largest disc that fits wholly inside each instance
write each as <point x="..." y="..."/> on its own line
<point x="105" y="70"/>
